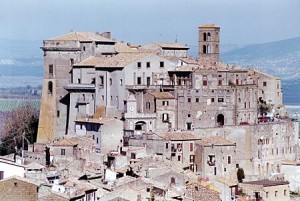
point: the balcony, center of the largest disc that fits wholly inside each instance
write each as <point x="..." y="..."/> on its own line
<point x="76" y="86"/>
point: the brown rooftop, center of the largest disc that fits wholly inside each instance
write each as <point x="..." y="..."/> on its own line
<point x="64" y="142"/>
<point x="177" y="136"/>
<point x="120" y="60"/>
<point x="162" y="95"/>
<point x="214" y="140"/>
<point x="209" y="25"/>
<point x="267" y="183"/>
<point x="82" y="36"/>
<point x="173" y="45"/>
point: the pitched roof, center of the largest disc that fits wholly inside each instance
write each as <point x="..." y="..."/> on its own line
<point x="119" y="60"/>
<point x="34" y="166"/>
<point x="187" y="68"/>
<point x="173" y="45"/>
<point x="213" y="140"/>
<point x="189" y="60"/>
<point x="82" y="36"/>
<point x="177" y="136"/>
<point x="20" y="179"/>
<point x="209" y="25"/>
<point x="64" y="142"/>
<point x="162" y="95"/>
<point x="267" y="183"/>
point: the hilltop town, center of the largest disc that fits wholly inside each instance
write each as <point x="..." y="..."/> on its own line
<point x="126" y="122"/>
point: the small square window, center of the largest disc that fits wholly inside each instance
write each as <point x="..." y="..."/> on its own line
<point x="204" y="82"/>
<point x="161" y="64"/>
<point x="139" y="64"/>
<point x="264" y="84"/>
<point x="148" y="64"/>
<point x="189" y="100"/>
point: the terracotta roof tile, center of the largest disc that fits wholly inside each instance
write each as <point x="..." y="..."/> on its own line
<point x="82" y="36"/>
<point x="120" y="60"/>
<point x="64" y="142"/>
<point x="267" y="183"/>
<point x="214" y="140"/>
<point x="177" y="136"/>
<point x="162" y="95"/>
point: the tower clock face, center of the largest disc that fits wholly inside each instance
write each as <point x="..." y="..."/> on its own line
<point x="131" y="108"/>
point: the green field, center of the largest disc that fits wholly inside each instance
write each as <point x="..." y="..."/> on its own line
<point x="11" y="104"/>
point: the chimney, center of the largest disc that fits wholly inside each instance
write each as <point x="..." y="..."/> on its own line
<point x="106" y="34"/>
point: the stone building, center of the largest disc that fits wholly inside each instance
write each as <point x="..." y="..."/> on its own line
<point x="267" y="190"/>
<point x="17" y="188"/>
<point x="179" y="147"/>
<point x="215" y="156"/>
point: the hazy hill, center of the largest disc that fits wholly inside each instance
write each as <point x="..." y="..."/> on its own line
<point x="280" y="58"/>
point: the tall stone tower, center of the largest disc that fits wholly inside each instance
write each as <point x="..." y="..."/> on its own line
<point x="208" y="43"/>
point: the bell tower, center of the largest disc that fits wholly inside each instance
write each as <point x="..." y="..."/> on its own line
<point x="208" y="43"/>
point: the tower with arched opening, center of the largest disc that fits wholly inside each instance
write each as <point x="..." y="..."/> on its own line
<point x="208" y="43"/>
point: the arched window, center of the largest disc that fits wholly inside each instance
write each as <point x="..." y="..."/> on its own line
<point x="50" y="87"/>
<point x="208" y="49"/>
<point x="173" y="181"/>
<point x="204" y="36"/>
<point x="204" y="49"/>
<point x="220" y="120"/>
<point x="208" y="36"/>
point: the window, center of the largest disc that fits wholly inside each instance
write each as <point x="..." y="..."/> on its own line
<point x="78" y="80"/>
<point x="148" y="81"/>
<point x="62" y="152"/>
<point x="121" y="82"/>
<point x="237" y="81"/>
<point x="267" y="194"/>
<point x="167" y="145"/>
<point x="197" y="100"/>
<point x="284" y="193"/>
<point x="189" y="115"/>
<point x="1" y="175"/>
<point x="148" y="105"/>
<point x="139" y="80"/>
<point x="51" y="69"/>
<point x="173" y="181"/>
<point x="189" y="100"/>
<point x="220" y="100"/>
<point x="189" y="126"/>
<point x="228" y="160"/>
<point x="165" y="117"/>
<point x="220" y="82"/>
<point x="215" y="170"/>
<point x="72" y="61"/>
<point x="212" y="100"/>
<point x="204" y="82"/>
<point x="50" y="87"/>
<point x="101" y="80"/>
<point x="179" y="157"/>
<point x="97" y="140"/>
<point x="148" y="64"/>
<point x="57" y="113"/>
<point x="192" y="157"/>
<point x="264" y="84"/>
<point x="110" y="81"/>
<point x="165" y="103"/>
<point x="139" y="64"/>
<point x="161" y="64"/>
<point x="276" y="193"/>
<point x="83" y="48"/>
<point x="191" y="147"/>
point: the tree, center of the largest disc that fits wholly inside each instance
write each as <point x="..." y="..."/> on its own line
<point x="19" y="128"/>
<point x="240" y="175"/>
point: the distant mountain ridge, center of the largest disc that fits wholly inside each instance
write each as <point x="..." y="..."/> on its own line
<point x="280" y="58"/>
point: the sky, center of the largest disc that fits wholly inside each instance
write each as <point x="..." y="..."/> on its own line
<point x="144" y="21"/>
